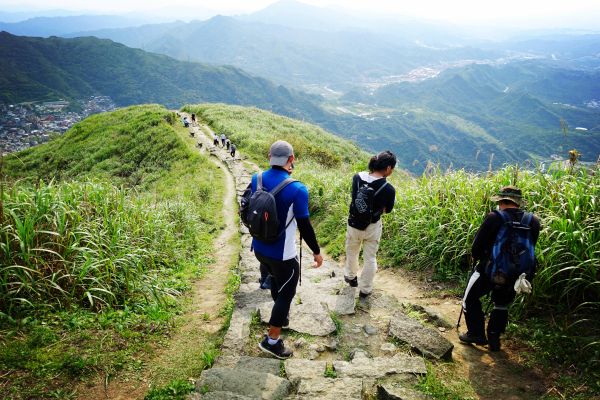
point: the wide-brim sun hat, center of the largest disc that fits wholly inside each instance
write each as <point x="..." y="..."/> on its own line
<point x="509" y="193"/>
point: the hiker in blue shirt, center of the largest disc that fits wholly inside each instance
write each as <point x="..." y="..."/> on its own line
<point x="280" y="257"/>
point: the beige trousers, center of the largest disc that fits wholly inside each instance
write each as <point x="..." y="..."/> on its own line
<point x="369" y="239"/>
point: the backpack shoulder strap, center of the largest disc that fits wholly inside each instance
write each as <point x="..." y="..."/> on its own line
<point x="281" y="186"/>
<point x="380" y="189"/>
<point x="526" y="220"/>
<point x="259" y="185"/>
<point x="504" y="215"/>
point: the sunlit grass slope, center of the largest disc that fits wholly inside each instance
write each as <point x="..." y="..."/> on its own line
<point x="101" y="230"/>
<point x="253" y="130"/>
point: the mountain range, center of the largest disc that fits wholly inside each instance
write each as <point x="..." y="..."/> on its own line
<point x="451" y="104"/>
<point x="41" y="69"/>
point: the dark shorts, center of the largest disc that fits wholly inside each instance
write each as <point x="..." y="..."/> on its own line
<point x="284" y="281"/>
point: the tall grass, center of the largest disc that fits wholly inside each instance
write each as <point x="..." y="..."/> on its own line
<point x="79" y="231"/>
<point x="436" y="217"/>
<point x="88" y="244"/>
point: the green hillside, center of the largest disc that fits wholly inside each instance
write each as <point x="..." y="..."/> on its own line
<point x="253" y="131"/>
<point x="518" y="104"/>
<point x="103" y="230"/>
<point x="42" y="69"/>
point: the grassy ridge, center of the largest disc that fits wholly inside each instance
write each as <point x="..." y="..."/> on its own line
<point x="101" y="230"/>
<point x="254" y="130"/>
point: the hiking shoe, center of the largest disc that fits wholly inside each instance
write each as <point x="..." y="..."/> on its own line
<point x="363" y="296"/>
<point x="286" y="324"/>
<point x="493" y="341"/>
<point x="265" y="283"/>
<point x="469" y="338"/>
<point x="277" y="350"/>
<point x="352" y="282"/>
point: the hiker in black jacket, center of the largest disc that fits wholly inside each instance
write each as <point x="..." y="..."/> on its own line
<point x="364" y="222"/>
<point x="510" y="201"/>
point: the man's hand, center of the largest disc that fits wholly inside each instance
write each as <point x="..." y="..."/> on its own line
<point x="318" y="260"/>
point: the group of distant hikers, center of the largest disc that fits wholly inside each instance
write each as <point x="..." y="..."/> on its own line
<point x="274" y="205"/>
<point x="225" y="142"/>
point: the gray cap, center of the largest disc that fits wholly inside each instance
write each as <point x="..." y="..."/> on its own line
<point x="280" y="152"/>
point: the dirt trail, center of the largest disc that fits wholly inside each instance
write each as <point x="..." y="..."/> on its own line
<point x="201" y="319"/>
<point x="493" y="376"/>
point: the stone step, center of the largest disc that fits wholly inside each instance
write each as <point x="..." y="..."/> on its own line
<point x="262" y="364"/>
<point x="427" y="341"/>
<point x="238" y="332"/>
<point x="297" y="369"/>
<point x="379" y="367"/>
<point x="329" y="389"/>
<point x="221" y="396"/>
<point x="244" y="382"/>
<point x="392" y="392"/>
<point x="309" y="317"/>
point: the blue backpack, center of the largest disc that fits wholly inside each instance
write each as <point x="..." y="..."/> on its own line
<point x="513" y="251"/>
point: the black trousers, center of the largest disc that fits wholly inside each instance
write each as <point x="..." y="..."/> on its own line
<point x="284" y="279"/>
<point x="502" y="296"/>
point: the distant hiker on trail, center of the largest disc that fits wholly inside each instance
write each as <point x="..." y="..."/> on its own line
<point x="215" y="139"/>
<point x="372" y="196"/>
<point x="193" y="118"/>
<point x="504" y="251"/>
<point x="227" y="143"/>
<point x="223" y="138"/>
<point x="232" y="150"/>
<point x="186" y="122"/>
<point x="272" y="207"/>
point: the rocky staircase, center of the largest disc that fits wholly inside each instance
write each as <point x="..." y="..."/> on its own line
<point x="344" y="348"/>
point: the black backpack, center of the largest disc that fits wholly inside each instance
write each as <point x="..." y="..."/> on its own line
<point x="361" y="208"/>
<point x="513" y="251"/>
<point x="258" y="211"/>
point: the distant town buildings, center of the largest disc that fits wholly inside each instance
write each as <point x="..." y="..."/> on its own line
<point x="28" y="124"/>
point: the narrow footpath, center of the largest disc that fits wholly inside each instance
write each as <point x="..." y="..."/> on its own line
<point x="197" y="327"/>
<point x="345" y="348"/>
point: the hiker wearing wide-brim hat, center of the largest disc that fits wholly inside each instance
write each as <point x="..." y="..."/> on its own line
<point x="509" y="193"/>
<point x="504" y="250"/>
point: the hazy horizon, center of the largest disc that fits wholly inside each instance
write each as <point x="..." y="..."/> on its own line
<point x="510" y="14"/>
